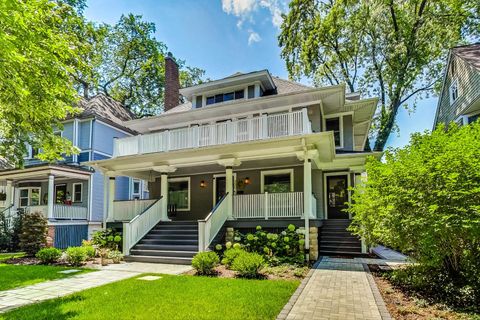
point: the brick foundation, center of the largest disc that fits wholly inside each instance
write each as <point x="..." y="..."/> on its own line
<point x="313" y="237"/>
<point x="50" y="236"/>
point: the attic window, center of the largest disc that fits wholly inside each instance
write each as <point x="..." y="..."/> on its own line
<point x="453" y="92"/>
<point x="218" y="98"/>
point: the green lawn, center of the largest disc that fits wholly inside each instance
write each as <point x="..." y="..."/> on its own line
<point x="12" y="276"/>
<point x="171" y="297"/>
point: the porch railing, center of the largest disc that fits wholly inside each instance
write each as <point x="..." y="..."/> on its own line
<point x="61" y="211"/>
<point x="268" y="205"/>
<point x="256" y="128"/>
<point x="313" y="214"/>
<point x="140" y="225"/>
<point x="211" y="225"/>
<point x="126" y="210"/>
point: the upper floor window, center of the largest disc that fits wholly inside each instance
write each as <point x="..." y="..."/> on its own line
<point x="335" y="125"/>
<point x="453" y="91"/>
<point x="222" y="97"/>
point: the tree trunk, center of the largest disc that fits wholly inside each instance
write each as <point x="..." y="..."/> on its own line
<point x="386" y="125"/>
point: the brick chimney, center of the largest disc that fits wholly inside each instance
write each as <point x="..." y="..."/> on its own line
<point x="172" y="83"/>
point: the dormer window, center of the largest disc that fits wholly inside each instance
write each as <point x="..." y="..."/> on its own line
<point x="222" y="97"/>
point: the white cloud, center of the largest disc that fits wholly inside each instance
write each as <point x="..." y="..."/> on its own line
<point x="238" y="7"/>
<point x="276" y="7"/>
<point x="253" y="37"/>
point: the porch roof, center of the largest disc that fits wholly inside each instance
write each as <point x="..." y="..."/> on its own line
<point x="41" y="171"/>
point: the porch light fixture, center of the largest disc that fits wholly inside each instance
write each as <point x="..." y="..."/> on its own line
<point x="203" y="184"/>
<point x="247" y="181"/>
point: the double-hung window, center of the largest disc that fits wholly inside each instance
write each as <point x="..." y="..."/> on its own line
<point x="77" y="192"/>
<point x="335" y="125"/>
<point x="179" y="193"/>
<point x="29" y="197"/>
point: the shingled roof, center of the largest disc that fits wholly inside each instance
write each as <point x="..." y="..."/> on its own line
<point x="106" y="109"/>
<point x="283" y="87"/>
<point x="469" y="53"/>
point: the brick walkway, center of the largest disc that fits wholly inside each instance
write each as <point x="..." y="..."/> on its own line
<point x="14" y="298"/>
<point x="338" y="289"/>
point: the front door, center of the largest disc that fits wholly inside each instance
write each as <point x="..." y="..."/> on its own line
<point x="220" y="188"/>
<point x="337" y="196"/>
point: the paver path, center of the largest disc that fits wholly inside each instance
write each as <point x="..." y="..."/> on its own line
<point x="14" y="298"/>
<point x="339" y="289"/>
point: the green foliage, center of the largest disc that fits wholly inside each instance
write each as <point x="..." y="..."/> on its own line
<point x="285" y="247"/>
<point x="248" y="264"/>
<point x="115" y="255"/>
<point x="395" y="50"/>
<point x="205" y="262"/>
<point x="107" y="239"/>
<point x="48" y="255"/>
<point x="229" y="255"/>
<point x="424" y="199"/>
<point x="76" y="256"/>
<point x="33" y="235"/>
<point x="37" y="57"/>
<point x="10" y="228"/>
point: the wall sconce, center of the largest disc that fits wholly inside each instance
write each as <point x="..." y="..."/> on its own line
<point x="203" y="184"/>
<point x="247" y="181"/>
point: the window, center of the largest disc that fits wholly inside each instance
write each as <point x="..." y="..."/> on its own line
<point x="473" y="118"/>
<point x="136" y="189"/>
<point x="453" y="92"/>
<point x="179" y="193"/>
<point x="29" y="197"/>
<point x="335" y="125"/>
<point x="277" y="181"/>
<point x="77" y="192"/>
<point x="239" y="94"/>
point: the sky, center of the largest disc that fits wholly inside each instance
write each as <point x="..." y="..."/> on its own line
<point x="227" y="36"/>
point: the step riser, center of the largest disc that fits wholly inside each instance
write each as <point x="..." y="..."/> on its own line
<point x="333" y="244"/>
<point x="341" y="253"/>
<point x="169" y="242"/>
<point x="165" y="247"/>
<point x="171" y="237"/>
<point x="164" y="253"/>
<point x="174" y="226"/>
<point x="166" y="260"/>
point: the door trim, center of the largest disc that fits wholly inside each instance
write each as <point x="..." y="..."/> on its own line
<point x="214" y="182"/>
<point x="325" y="193"/>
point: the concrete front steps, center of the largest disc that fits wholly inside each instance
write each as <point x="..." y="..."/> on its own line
<point x="335" y="240"/>
<point x="174" y="242"/>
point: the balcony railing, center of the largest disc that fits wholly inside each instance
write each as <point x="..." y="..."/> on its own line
<point x="250" y="129"/>
<point x="61" y="211"/>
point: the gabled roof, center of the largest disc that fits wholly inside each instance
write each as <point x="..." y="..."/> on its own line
<point x="107" y="110"/>
<point x="469" y="53"/>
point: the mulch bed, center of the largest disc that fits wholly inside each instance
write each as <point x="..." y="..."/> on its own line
<point x="272" y="273"/>
<point x="403" y="306"/>
<point x="30" y="261"/>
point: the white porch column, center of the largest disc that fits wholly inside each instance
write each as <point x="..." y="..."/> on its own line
<point x="229" y="190"/>
<point x="111" y="198"/>
<point x="164" y="195"/>
<point x="9" y="194"/>
<point x="51" y="187"/>
<point x="307" y="199"/>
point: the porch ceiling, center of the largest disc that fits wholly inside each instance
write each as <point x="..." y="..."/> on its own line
<point x="43" y="171"/>
<point x="283" y="151"/>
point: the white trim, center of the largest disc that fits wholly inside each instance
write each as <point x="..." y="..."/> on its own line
<point x="223" y="175"/>
<point x="189" y="189"/>
<point x="90" y="198"/>
<point x="29" y="196"/>
<point x="73" y="191"/>
<point x="325" y="191"/>
<point x="340" y="124"/>
<point x="272" y="172"/>
<point x="132" y="188"/>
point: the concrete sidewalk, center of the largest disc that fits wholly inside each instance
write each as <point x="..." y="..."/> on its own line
<point x="18" y="297"/>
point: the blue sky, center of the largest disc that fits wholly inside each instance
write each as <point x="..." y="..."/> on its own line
<point x="226" y="36"/>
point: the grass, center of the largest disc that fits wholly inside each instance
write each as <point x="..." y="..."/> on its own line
<point x="171" y="297"/>
<point x="13" y="276"/>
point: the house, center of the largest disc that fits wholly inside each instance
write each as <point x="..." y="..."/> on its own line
<point x="459" y="100"/>
<point x="246" y="150"/>
<point x="69" y="194"/>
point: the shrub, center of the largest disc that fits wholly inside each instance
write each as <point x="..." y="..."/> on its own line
<point x="49" y="255"/>
<point x="10" y="228"/>
<point x="108" y="239"/>
<point x="115" y="255"/>
<point x="205" y="262"/>
<point x="76" y="255"/>
<point x="33" y="235"/>
<point x="230" y="255"/>
<point x="248" y="264"/>
<point x="90" y="251"/>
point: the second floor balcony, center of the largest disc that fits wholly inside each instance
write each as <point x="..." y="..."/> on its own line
<point x="220" y="133"/>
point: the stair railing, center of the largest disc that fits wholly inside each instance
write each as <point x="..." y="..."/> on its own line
<point x="138" y="227"/>
<point x="209" y="227"/>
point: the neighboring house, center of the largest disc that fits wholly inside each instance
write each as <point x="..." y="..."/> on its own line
<point x="459" y="100"/>
<point x="250" y="149"/>
<point x="69" y="194"/>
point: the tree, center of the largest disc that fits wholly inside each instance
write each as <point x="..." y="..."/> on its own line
<point x="424" y="199"/>
<point x="37" y="57"/>
<point x="128" y="64"/>
<point x="392" y="49"/>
